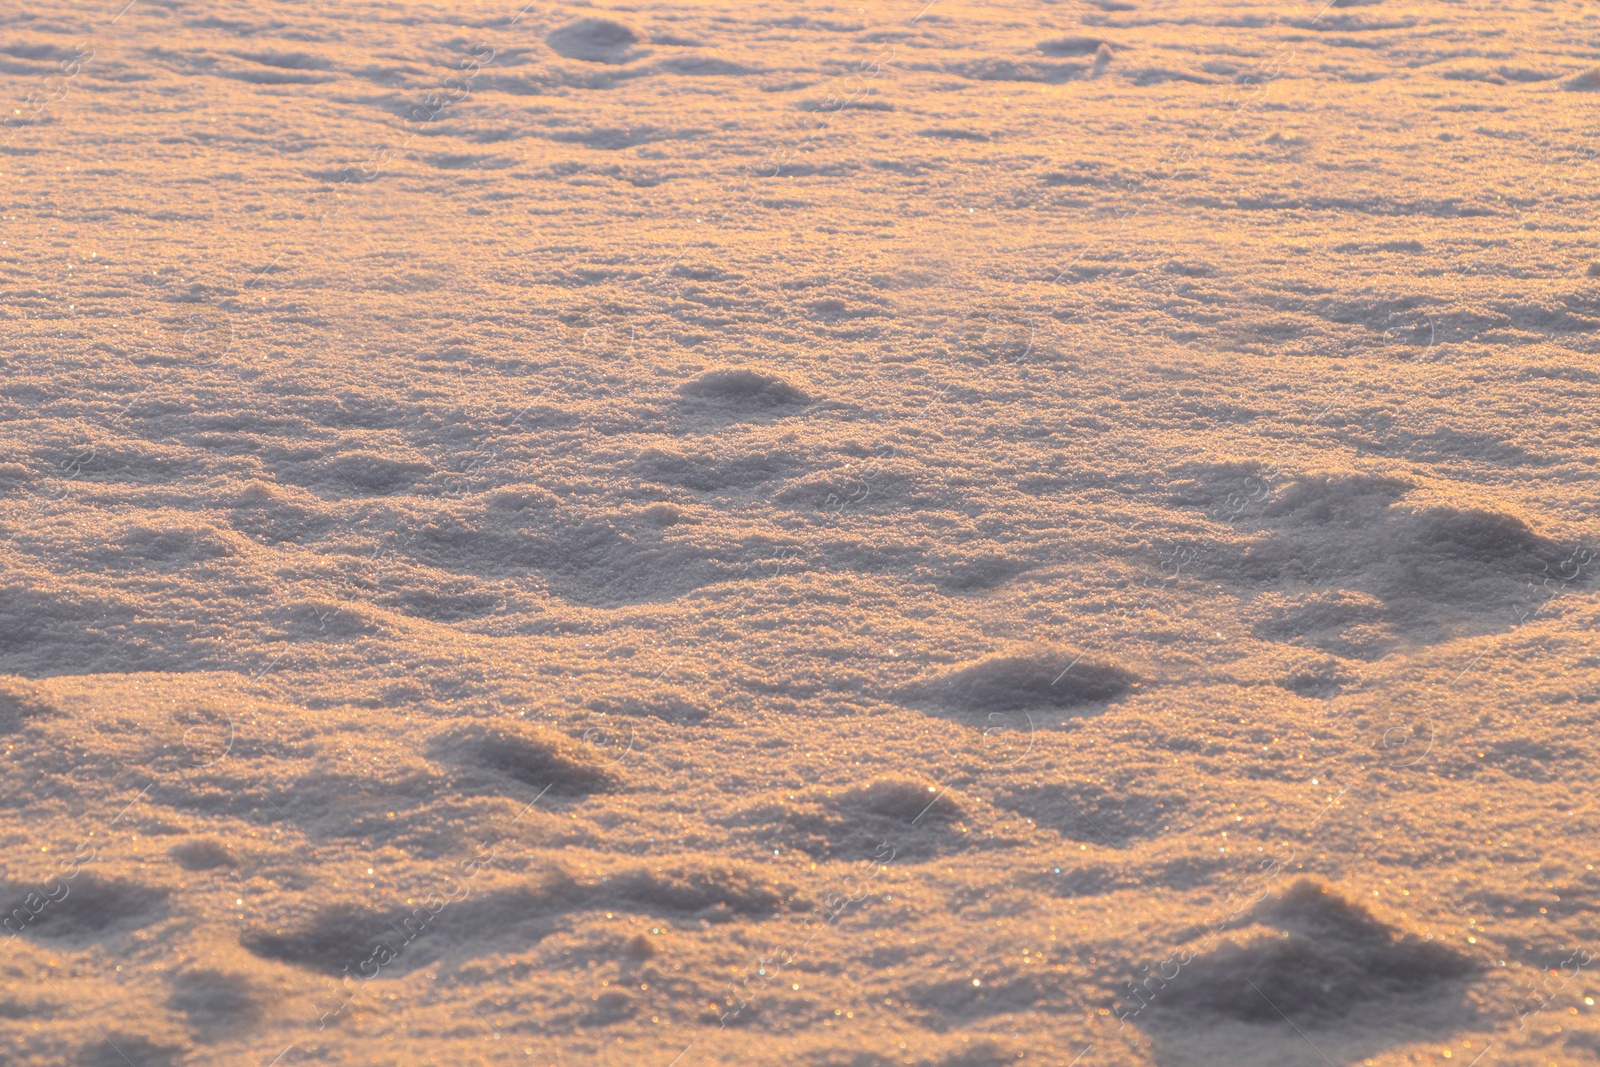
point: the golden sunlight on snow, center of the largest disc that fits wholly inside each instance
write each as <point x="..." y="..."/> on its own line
<point x="1053" y="532"/>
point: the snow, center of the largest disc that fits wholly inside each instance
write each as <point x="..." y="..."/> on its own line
<point x="1046" y="532"/>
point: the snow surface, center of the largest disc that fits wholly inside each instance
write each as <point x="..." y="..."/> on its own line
<point x="700" y="533"/>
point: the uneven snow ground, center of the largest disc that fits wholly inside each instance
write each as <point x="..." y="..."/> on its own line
<point x="773" y="533"/>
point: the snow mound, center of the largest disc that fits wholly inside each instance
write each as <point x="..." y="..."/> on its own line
<point x="1317" y="678"/>
<point x="287" y="60"/>
<point x="455" y="921"/>
<point x="713" y="892"/>
<point x="915" y="819"/>
<point x="1307" y="963"/>
<point x="546" y="762"/>
<point x="594" y="41"/>
<point x="217" y="1005"/>
<point x="1344" y="622"/>
<point x="119" y="1049"/>
<point x="341" y="937"/>
<point x="1015" y="682"/>
<point x="1353" y="501"/>
<point x="1350" y="569"/>
<point x="203" y="854"/>
<point x="1356" y="958"/>
<point x="160" y="548"/>
<point x="1587" y="82"/>
<point x="86" y="908"/>
<point x="744" y="386"/>
<point x="1071" y="46"/>
<point x="1465" y="545"/>
<point x="980" y="574"/>
<point x="994" y="69"/>
<point x="904" y="799"/>
<point x="370" y="473"/>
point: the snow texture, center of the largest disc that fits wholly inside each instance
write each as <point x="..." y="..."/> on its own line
<point x="1055" y="531"/>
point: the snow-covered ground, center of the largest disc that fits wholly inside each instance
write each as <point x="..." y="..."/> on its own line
<point x="752" y="533"/>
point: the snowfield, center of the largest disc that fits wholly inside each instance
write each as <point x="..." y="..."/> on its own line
<point x="1048" y="532"/>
